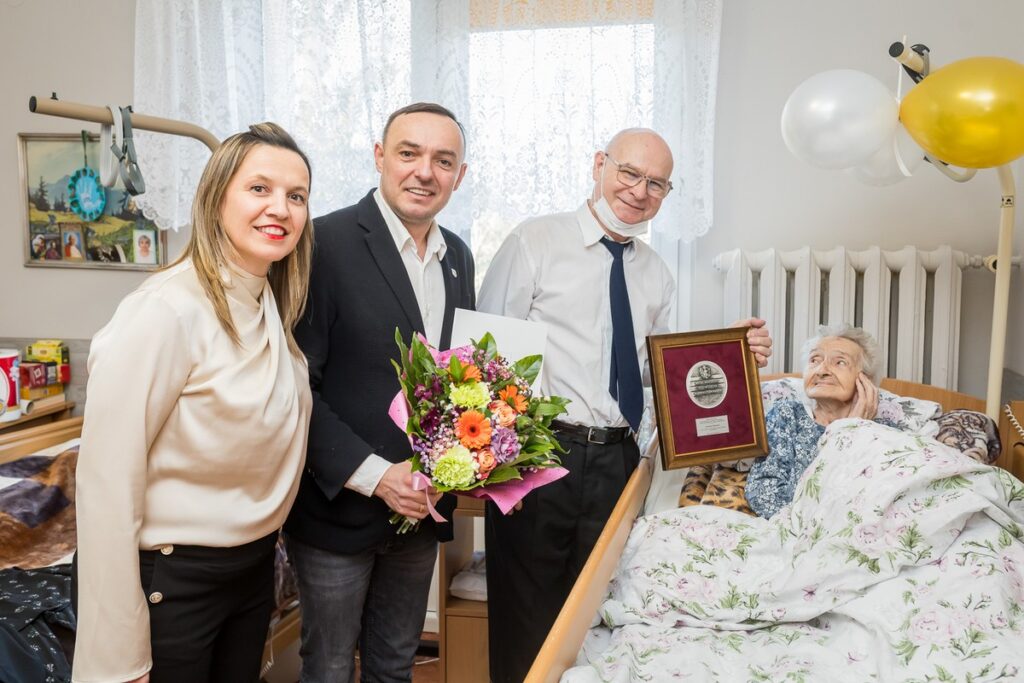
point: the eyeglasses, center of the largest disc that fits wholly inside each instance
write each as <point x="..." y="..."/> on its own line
<point x="630" y="177"/>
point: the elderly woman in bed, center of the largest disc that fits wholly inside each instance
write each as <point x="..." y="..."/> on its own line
<point x="841" y="367"/>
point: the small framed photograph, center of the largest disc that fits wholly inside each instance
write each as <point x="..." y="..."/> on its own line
<point x="50" y="246"/>
<point x="144" y="246"/>
<point x="707" y="397"/>
<point x="71" y="238"/>
<point x="70" y="219"/>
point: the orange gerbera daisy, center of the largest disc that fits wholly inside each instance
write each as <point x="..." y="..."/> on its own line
<point x="511" y="395"/>
<point x="471" y="372"/>
<point x="473" y="429"/>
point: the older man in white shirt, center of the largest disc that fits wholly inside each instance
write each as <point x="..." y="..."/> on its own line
<point x="601" y="292"/>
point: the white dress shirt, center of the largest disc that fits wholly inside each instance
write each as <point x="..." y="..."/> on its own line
<point x="428" y="285"/>
<point x="554" y="269"/>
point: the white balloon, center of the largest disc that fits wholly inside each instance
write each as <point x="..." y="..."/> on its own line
<point x="838" y="119"/>
<point x="896" y="160"/>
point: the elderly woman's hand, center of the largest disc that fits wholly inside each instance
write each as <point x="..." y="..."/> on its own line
<point x="758" y="338"/>
<point x="865" y="398"/>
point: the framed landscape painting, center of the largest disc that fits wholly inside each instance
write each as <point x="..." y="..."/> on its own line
<point x="71" y="220"/>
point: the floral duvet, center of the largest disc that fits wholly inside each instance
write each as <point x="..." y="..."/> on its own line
<point x="899" y="559"/>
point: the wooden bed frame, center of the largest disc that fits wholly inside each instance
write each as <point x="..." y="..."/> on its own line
<point x="27" y="441"/>
<point x="565" y="638"/>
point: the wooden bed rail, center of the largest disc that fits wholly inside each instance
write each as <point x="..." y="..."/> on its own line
<point x="1011" y="432"/>
<point x="566" y="636"/>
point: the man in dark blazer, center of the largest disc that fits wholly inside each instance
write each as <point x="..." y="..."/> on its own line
<point x="378" y="265"/>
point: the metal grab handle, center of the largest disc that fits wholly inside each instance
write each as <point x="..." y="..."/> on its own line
<point x="85" y="112"/>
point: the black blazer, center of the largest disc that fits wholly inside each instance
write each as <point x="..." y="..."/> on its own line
<point x="359" y="292"/>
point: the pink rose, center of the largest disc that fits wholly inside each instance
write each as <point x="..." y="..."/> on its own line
<point x="486" y="460"/>
<point x="504" y="414"/>
<point x="931" y="628"/>
<point x="722" y="539"/>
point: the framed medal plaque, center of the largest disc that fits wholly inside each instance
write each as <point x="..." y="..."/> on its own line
<point x="707" y="397"/>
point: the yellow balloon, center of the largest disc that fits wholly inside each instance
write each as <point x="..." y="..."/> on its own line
<point x="969" y="113"/>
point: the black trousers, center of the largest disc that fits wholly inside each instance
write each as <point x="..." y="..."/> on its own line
<point x="209" y="610"/>
<point x="535" y="555"/>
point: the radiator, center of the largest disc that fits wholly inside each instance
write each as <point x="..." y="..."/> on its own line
<point x="909" y="300"/>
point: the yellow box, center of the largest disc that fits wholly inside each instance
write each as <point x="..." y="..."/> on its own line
<point x="33" y="393"/>
<point x="47" y="350"/>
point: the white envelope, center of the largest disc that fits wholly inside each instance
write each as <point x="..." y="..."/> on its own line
<point x="515" y="338"/>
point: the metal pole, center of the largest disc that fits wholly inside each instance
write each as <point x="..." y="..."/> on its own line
<point x="85" y="112"/>
<point x="1001" y="297"/>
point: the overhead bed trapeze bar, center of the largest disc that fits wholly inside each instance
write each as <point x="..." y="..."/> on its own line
<point x="85" y="112"/>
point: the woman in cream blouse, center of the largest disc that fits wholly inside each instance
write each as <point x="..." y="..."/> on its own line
<point x="195" y="433"/>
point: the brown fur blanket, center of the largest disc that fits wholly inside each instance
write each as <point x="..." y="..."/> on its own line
<point x="37" y="510"/>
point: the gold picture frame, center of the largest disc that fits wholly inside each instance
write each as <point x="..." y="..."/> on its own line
<point x="707" y="397"/>
<point x="58" y="237"/>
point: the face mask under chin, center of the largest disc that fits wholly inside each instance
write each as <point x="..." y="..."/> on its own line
<point x="607" y="216"/>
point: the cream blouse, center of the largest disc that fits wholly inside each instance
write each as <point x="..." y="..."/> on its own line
<point x="188" y="439"/>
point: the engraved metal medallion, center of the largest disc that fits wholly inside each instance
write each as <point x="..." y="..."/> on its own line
<point x="706" y="384"/>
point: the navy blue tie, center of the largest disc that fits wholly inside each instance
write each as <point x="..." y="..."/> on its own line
<point x="625" y="384"/>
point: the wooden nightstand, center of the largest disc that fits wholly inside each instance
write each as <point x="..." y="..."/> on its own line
<point x="463" y="623"/>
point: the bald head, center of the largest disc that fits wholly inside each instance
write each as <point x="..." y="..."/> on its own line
<point x="640" y="152"/>
<point x="643" y="139"/>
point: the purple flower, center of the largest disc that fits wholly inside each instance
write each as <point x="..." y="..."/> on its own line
<point x="504" y="444"/>
<point x="430" y="421"/>
<point x="427" y="393"/>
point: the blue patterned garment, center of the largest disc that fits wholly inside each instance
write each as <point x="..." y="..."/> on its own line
<point x="793" y="444"/>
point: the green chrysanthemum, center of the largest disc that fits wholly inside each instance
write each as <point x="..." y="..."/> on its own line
<point x="454" y="469"/>
<point x="470" y="395"/>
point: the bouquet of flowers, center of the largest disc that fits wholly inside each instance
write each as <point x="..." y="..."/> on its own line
<point x="474" y="424"/>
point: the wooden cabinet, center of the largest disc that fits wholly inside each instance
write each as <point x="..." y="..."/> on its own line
<point x="52" y="413"/>
<point x="463" y="623"/>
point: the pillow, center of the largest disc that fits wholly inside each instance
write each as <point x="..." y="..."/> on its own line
<point x="715" y="485"/>
<point x="471" y="582"/>
<point x="782" y="389"/>
<point x="909" y="414"/>
<point x="973" y="434"/>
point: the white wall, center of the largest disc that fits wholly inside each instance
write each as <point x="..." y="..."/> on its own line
<point x="83" y="51"/>
<point x="765" y="197"/>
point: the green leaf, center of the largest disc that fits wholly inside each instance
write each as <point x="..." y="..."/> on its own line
<point x="528" y="368"/>
<point x="546" y="409"/>
<point x="457" y="370"/>
<point x="949" y="483"/>
<point x="488" y="346"/>
<point x="501" y="474"/>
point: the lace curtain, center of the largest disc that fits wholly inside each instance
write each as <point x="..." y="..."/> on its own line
<point x="540" y="86"/>
<point x="200" y="62"/>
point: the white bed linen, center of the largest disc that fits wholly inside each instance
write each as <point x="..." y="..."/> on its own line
<point x="898" y="560"/>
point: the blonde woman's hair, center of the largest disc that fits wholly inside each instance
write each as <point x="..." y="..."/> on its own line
<point x="210" y="249"/>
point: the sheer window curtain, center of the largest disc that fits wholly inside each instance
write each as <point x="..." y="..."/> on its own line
<point x="539" y="85"/>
